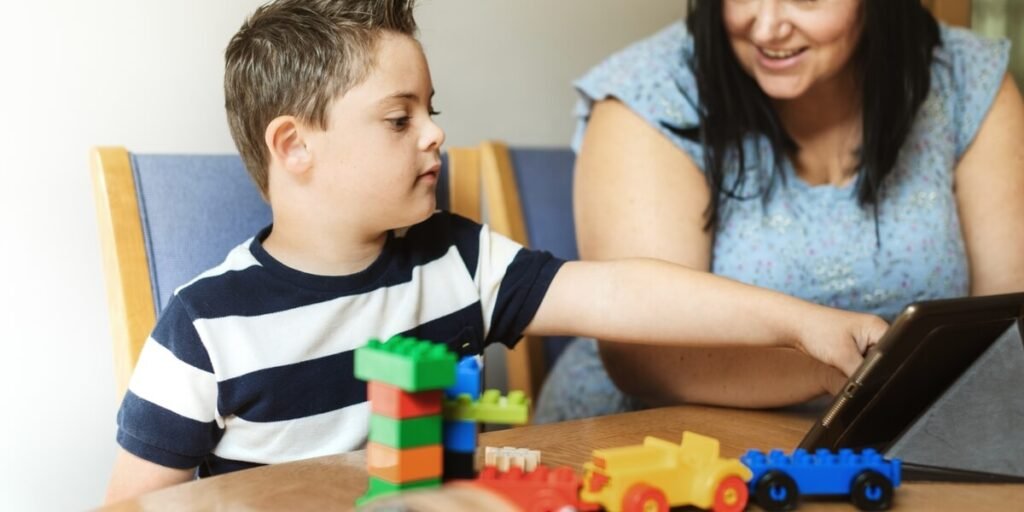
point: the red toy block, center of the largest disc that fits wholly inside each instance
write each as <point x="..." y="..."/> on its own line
<point x="408" y="465"/>
<point x="391" y="401"/>
<point x="542" y="489"/>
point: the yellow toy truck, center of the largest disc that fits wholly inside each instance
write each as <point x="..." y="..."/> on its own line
<point x="659" y="474"/>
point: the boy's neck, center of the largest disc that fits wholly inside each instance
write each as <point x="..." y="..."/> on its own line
<point x="323" y="250"/>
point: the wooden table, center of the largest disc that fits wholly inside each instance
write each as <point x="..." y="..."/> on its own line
<point x="334" y="482"/>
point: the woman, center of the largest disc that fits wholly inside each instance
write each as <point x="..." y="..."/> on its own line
<point x="850" y="152"/>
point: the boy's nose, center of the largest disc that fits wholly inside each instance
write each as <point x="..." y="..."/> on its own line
<point x="433" y="137"/>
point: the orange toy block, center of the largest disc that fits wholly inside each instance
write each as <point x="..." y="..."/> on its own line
<point x="390" y="401"/>
<point x="408" y="465"/>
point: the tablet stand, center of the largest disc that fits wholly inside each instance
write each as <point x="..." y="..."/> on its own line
<point x="975" y="430"/>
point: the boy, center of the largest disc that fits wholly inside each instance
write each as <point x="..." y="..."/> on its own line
<point x="329" y="102"/>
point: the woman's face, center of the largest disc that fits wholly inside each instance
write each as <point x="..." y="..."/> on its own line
<point x="790" y="46"/>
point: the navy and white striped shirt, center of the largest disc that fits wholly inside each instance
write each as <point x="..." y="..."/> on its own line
<point x="251" y="362"/>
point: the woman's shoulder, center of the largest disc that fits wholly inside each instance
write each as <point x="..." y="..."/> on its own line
<point x="959" y="43"/>
<point x="652" y="77"/>
<point x="967" y="72"/>
<point x="967" y="57"/>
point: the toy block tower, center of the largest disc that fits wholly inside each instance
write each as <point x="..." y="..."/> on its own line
<point x="405" y="378"/>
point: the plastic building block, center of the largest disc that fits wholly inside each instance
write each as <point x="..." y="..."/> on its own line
<point x="378" y="488"/>
<point x="543" y="489"/>
<point x="408" y="363"/>
<point x="460" y="436"/>
<point x="460" y="408"/>
<point x="391" y="401"/>
<point x="403" y="465"/>
<point x="407" y="433"/>
<point x="459" y="465"/>
<point x="659" y="474"/>
<point x="467" y="379"/>
<point x="779" y="480"/>
<point x="509" y="457"/>
<point x="511" y="410"/>
<point x="490" y="408"/>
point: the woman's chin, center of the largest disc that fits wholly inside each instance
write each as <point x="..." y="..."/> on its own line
<point x="782" y="88"/>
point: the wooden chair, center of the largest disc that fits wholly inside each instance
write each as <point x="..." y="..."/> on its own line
<point x="165" y="218"/>
<point x="528" y="193"/>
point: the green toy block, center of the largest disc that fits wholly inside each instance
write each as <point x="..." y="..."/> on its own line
<point x="405" y="433"/>
<point x="494" y="408"/>
<point x="407" y="363"/>
<point x="379" y="487"/>
<point x="491" y="408"/>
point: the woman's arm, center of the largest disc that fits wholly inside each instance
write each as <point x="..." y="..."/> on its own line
<point x="990" y="197"/>
<point x="638" y="195"/>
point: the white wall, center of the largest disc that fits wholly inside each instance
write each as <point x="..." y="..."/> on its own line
<point x="147" y="75"/>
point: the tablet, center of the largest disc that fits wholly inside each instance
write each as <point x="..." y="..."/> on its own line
<point x="926" y="349"/>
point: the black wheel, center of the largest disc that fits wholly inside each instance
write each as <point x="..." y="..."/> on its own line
<point x="776" y="490"/>
<point x="871" y="491"/>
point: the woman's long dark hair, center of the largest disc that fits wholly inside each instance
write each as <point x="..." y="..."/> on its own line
<point x="894" y="61"/>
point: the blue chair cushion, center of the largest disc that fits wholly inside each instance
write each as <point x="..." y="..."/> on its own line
<point x="196" y="208"/>
<point x="544" y="178"/>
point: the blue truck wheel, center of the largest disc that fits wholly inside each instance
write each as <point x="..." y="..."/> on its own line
<point x="776" y="490"/>
<point x="871" y="491"/>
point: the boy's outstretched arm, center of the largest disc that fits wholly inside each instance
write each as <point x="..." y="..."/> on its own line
<point x="654" y="302"/>
<point x="133" y="476"/>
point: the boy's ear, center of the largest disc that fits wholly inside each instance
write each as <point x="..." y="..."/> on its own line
<point x="284" y="137"/>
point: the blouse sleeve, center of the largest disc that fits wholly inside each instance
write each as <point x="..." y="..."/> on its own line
<point x="972" y="73"/>
<point x="653" y="79"/>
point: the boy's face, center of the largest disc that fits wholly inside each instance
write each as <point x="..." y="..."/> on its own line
<point x="381" y="150"/>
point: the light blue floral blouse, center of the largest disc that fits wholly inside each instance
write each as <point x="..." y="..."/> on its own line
<point x="813" y="242"/>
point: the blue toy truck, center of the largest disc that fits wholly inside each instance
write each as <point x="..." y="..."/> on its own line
<point x="780" y="480"/>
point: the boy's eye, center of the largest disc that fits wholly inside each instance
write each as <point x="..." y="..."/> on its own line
<point x="399" y="123"/>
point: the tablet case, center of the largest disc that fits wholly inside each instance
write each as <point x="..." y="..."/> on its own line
<point x="975" y="430"/>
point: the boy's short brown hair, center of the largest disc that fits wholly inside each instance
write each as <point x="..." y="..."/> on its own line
<point x="293" y="57"/>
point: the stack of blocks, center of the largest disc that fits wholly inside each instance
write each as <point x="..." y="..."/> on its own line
<point x="405" y="378"/>
<point x="425" y="411"/>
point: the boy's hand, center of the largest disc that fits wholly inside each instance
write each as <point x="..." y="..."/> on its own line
<point x="839" y="339"/>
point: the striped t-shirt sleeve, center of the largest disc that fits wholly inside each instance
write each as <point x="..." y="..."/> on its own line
<point x="512" y="281"/>
<point x="168" y="416"/>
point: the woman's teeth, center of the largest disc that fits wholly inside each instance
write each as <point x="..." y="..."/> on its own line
<point x="779" y="54"/>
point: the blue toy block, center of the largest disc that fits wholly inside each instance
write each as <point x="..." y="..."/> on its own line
<point x="467" y="379"/>
<point x="459" y="436"/>
<point x="779" y="479"/>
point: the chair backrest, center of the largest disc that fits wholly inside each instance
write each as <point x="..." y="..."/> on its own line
<point x="163" y="219"/>
<point x="954" y="12"/>
<point x="529" y="199"/>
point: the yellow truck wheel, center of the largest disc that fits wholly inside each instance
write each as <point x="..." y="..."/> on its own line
<point x="644" y="498"/>
<point x="730" y="495"/>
